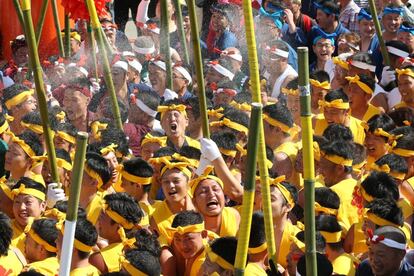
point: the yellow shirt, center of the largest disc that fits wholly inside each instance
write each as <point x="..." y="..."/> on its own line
<point x="291" y="150"/>
<point x="85" y="271"/>
<point x="163" y="217"/>
<point x="289" y="231"/>
<point x="10" y="264"/>
<point x="406" y="207"/>
<point x="360" y="243"/>
<point x="149" y="210"/>
<point x="93" y="210"/>
<point x="19" y="237"/>
<point x="345" y="265"/>
<point x="371" y="112"/>
<point x="111" y="254"/>
<point x="198" y="262"/>
<point x="229" y="225"/>
<point x="48" y="267"/>
<point x="347" y="213"/>
<point x="354" y="125"/>
<point x="254" y="269"/>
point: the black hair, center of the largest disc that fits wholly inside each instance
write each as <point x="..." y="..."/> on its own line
<point x="327" y="198"/>
<point x="193" y="105"/>
<point x="107" y="109"/>
<point x="17" y="43"/>
<point x="402" y="114"/>
<point x="320" y="241"/>
<point x="30" y="273"/>
<point x="126" y="206"/>
<point x="340" y="148"/>
<point x="332" y="6"/>
<point x="381" y="185"/>
<point x="381" y="121"/>
<point x="190" y="152"/>
<point x="280" y="113"/>
<point x="237" y="116"/>
<point x="13" y="90"/>
<point x="118" y="137"/>
<point x="386" y="209"/>
<point x="165" y="151"/>
<point x="404" y="130"/>
<point x="243" y="97"/>
<point x="29" y="184"/>
<point x="46" y="229"/>
<point x="34" y="118"/>
<point x="269" y="154"/>
<point x="395" y="162"/>
<point x="292" y="190"/>
<point x="364" y="57"/>
<point x="324" y="266"/>
<point x="146" y="241"/>
<point x="405" y="142"/>
<point x="225" y="139"/>
<point x="67" y="128"/>
<point x="99" y="165"/>
<point x="329" y="224"/>
<point x="337" y="94"/>
<point x="139" y="167"/>
<point x="320" y="75"/>
<point x="32" y="140"/>
<point x="225" y="247"/>
<point x="336" y="132"/>
<point x="86" y="233"/>
<point x="257" y="231"/>
<point x="185" y="218"/>
<point x="359" y="154"/>
<point x="62" y="206"/>
<point x="367" y="80"/>
<point x="63" y="154"/>
<point x="6" y="234"/>
<point x="144" y="261"/>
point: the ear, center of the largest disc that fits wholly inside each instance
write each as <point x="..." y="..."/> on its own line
<point x="42" y="206"/>
<point x="204" y="234"/>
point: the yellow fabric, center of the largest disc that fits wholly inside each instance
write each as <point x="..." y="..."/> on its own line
<point x="206" y="175"/>
<point x="325" y="210"/>
<point x="4" y="127"/>
<point x="403" y="152"/>
<point x="216" y="113"/>
<point x="66" y="137"/>
<point x="96" y="129"/>
<point x="406" y="207"/>
<point x="355" y="79"/>
<point x="214" y="258"/>
<point x="19" y="237"/>
<point x="229" y="225"/>
<point x="291" y="92"/>
<point x="94" y="208"/>
<point x="360" y="243"/>
<point x="111" y="254"/>
<point x="193" y="228"/>
<point x="338" y="103"/>
<point x="341" y="63"/>
<point x="253" y="269"/>
<point x="181" y="166"/>
<point x="292" y="131"/>
<point x="47" y="267"/>
<point x="371" y="112"/>
<point x="41" y="241"/>
<point x="289" y="231"/>
<point x="345" y="265"/>
<point x="325" y="85"/>
<point x="162" y="141"/>
<point x="331" y="237"/>
<point x="133" y="178"/>
<point x="149" y="210"/>
<point x="179" y="107"/>
<point x="193" y="162"/>
<point x="28" y="191"/>
<point x="19" y="98"/>
<point x="192" y="142"/>
<point x="60" y="225"/>
<point x="406" y="71"/>
<point x="110" y="148"/>
<point x="337" y="159"/>
<point x="347" y="213"/>
<point x="132" y="270"/>
<point x="26" y="148"/>
<point x="379" y="221"/>
<point x="285" y="192"/>
<point x="38" y="129"/>
<point x="227" y="152"/>
<point x="258" y="249"/>
<point x="75" y="35"/>
<point x="230" y="124"/>
<point x="10" y="263"/>
<point x="198" y="262"/>
<point x="94" y="175"/>
<point x="241" y="106"/>
<point x="354" y="125"/>
<point x="89" y="270"/>
<point x="117" y="217"/>
<point x="163" y="218"/>
<point x="291" y="150"/>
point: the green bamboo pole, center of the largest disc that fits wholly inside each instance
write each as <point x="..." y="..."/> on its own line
<point x="19" y="13"/>
<point x="249" y="190"/>
<point x="57" y="27"/>
<point x="40" y="88"/>
<point x="96" y="26"/>
<point x="73" y="203"/>
<point x="180" y="26"/>
<point x="264" y="172"/>
<point x="308" y="161"/>
<point x="198" y="61"/>
<point x="41" y="22"/>
<point x="165" y="42"/>
<point x="92" y="45"/>
<point x="378" y="31"/>
<point x="67" y="36"/>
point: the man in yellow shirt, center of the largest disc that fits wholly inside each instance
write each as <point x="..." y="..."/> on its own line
<point x="257" y="252"/>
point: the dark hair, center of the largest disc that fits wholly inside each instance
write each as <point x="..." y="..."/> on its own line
<point x="118" y="137"/>
<point x="225" y="247"/>
<point x="67" y="128"/>
<point x="331" y="6"/>
<point x="243" y="97"/>
<point x="190" y="152"/>
<point x="46" y="229"/>
<point x="34" y="118"/>
<point x="99" y="165"/>
<point x="29" y="184"/>
<point x="225" y="139"/>
<point x="125" y="205"/>
<point x="280" y="113"/>
<point x="386" y="209"/>
<point x="185" y="218"/>
<point x="237" y="116"/>
<point x="327" y="198"/>
<point x="405" y="142"/>
<point x="340" y="148"/>
<point x="320" y="75"/>
<point x="404" y="130"/>
<point x="381" y="121"/>
<point x="367" y="80"/>
<point x="63" y="154"/>
<point x="359" y="154"/>
<point x="139" y="167"/>
<point x="86" y="233"/>
<point x="395" y="162"/>
<point x="324" y="266"/>
<point x="320" y="241"/>
<point x="280" y="44"/>
<point x="335" y="132"/>
<point x="146" y="241"/>
<point x="107" y="109"/>
<point x="193" y="105"/>
<point x="292" y="190"/>
<point x="165" y="151"/>
<point x="32" y="140"/>
<point x="399" y="115"/>
<point x="257" y="231"/>
<point x="337" y="94"/>
<point x="62" y="206"/>
<point x="329" y="224"/>
<point x="381" y="185"/>
<point x="6" y="234"/>
<point x="144" y="261"/>
<point x="13" y="90"/>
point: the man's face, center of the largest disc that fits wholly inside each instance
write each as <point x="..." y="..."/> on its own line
<point x="157" y="77"/>
<point x="335" y="115"/>
<point x="179" y="82"/>
<point x="366" y="28"/>
<point x="384" y="260"/>
<point x="324" y="20"/>
<point x="213" y="76"/>
<point x="291" y="5"/>
<point x="209" y="198"/>
<point x="222" y="99"/>
<point x="278" y="205"/>
<point x="106" y="227"/>
<point x="273" y="63"/>
<point x="323" y="49"/>
<point x="25" y="206"/>
<point x="31" y="250"/>
<point x="292" y="258"/>
<point x="29" y="105"/>
<point x="267" y="30"/>
<point x="357" y="97"/>
<point x="16" y="159"/>
<point x="147" y="150"/>
<point x="318" y="94"/>
<point x="407" y="38"/>
<point x="375" y="145"/>
<point x="219" y="22"/>
<point x="174" y="123"/>
<point x="61" y="143"/>
<point x="75" y="104"/>
<point x="47" y="175"/>
<point x="391" y="22"/>
<point x="174" y="185"/>
<point x="118" y="77"/>
<point x="327" y="170"/>
<point x="74" y="46"/>
<point x="293" y="104"/>
<point x="188" y="244"/>
<point x="21" y="56"/>
<point x="406" y="87"/>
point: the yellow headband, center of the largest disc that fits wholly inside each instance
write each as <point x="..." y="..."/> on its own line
<point x="174" y="107"/>
<point x="217" y="113"/>
<point x="159" y="160"/>
<point x="110" y="148"/>
<point x="403" y="152"/>
<point x="55" y="213"/>
<point x="132" y="270"/>
<point x="38" y="129"/>
<point x="357" y="167"/>
<point x="133" y="178"/>
<point x="386" y="169"/>
<point x="379" y="132"/>
<point x="66" y="137"/>
<point x="214" y="258"/>
<point x="291" y="92"/>
<point x="241" y="149"/>
<point x="19" y="98"/>
<point x="324" y="85"/>
<point x="181" y="166"/>
<point x="241" y="106"/>
<point x="338" y="103"/>
<point x="331" y="237"/>
<point x="292" y="131"/>
<point x="259" y="249"/>
<point x="28" y="191"/>
<point x="193" y="228"/>
<point x="9" y="118"/>
<point x="337" y="159"/>
<point x="77" y="244"/>
<point x="325" y="210"/>
<point x="41" y="241"/>
<point x="406" y="71"/>
<point x="355" y="79"/>
<point x="4" y="127"/>
<point x="96" y="128"/>
<point x="230" y="124"/>
<point x="6" y="189"/>
<point x="379" y="221"/>
<point x="206" y="175"/>
<point x="365" y="195"/>
<point x="192" y="162"/>
<point x="61" y="116"/>
<point x="26" y="148"/>
<point x="316" y="151"/>
<point x="162" y="141"/>
<point x="94" y="175"/>
<point x="117" y="217"/>
<point x="62" y="163"/>
<point x="341" y="63"/>
<point x="227" y="152"/>
<point x="285" y="192"/>
<point x="300" y="244"/>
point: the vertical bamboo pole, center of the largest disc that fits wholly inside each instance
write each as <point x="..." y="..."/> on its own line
<point x="96" y="26"/>
<point x="40" y="88"/>
<point x="67" y="36"/>
<point x="73" y="203"/>
<point x="198" y="61"/>
<point x="165" y="42"/>
<point x="180" y="26"/>
<point x="378" y="31"/>
<point x="308" y="161"/>
<point x="57" y="27"/>
<point x="92" y="45"/>
<point x="19" y="13"/>
<point x="264" y="173"/>
<point x="41" y="22"/>
<point x="249" y="190"/>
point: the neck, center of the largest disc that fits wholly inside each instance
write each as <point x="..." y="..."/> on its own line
<point x="296" y="14"/>
<point x="88" y="193"/>
<point x="16" y="127"/>
<point x="182" y="91"/>
<point x="279" y="227"/>
<point x="81" y="124"/>
<point x="259" y="258"/>
<point x="123" y="92"/>
<point x="196" y="134"/>
<point x="213" y="223"/>
<point x="340" y="178"/>
<point x="388" y="36"/>
<point x="189" y="262"/>
<point x="17" y="174"/>
<point x="176" y="207"/>
<point x="178" y="141"/>
<point x="334" y="254"/>
<point x="359" y="112"/>
<point x="77" y="262"/>
<point x="332" y="27"/>
<point x="320" y="64"/>
<point x="144" y="199"/>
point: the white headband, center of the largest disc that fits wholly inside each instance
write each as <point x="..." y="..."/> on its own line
<point x="136" y="65"/>
<point x="128" y="54"/>
<point x="160" y="64"/>
<point x="388" y="242"/>
<point x="397" y="52"/>
<point x="143" y="51"/>
<point x="145" y="108"/>
<point x="184" y="72"/>
<point x="363" y="65"/>
<point x="235" y="56"/>
<point x="121" y="64"/>
<point x="225" y="72"/>
<point x="278" y="52"/>
<point x="225" y="90"/>
<point x="80" y="68"/>
<point x="343" y="41"/>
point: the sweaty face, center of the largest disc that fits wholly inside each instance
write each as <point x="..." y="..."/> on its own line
<point x="188" y="244"/>
<point x="174" y="185"/>
<point x="384" y="260"/>
<point x="278" y="203"/>
<point x="327" y="170"/>
<point x="174" y="123"/>
<point x="209" y="198"/>
<point x="376" y="145"/>
<point x="25" y="206"/>
<point x="334" y="115"/>
<point x="118" y="77"/>
<point x="75" y="104"/>
<point x="406" y="87"/>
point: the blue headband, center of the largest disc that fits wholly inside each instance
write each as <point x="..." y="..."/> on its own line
<point x="388" y="10"/>
<point x="321" y="34"/>
<point x="364" y="15"/>
<point x="324" y="9"/>
<point x="274" y="16"/>
<point x="407" y="29"/>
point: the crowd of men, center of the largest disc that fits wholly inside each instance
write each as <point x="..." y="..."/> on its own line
<point x="158" y="198"/>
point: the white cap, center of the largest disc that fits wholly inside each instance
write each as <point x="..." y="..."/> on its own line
<point x="136" y="65"/>
<point x="121" y="64"/>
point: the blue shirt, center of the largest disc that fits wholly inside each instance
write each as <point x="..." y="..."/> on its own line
<point x="364" y="269"/>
